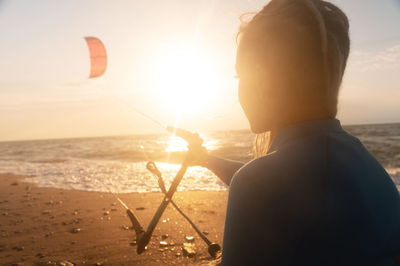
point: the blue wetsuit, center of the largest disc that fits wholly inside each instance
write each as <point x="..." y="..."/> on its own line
<point x="317" y="198"/>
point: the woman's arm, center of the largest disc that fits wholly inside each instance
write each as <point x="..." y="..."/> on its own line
<point x="223" y="168"/>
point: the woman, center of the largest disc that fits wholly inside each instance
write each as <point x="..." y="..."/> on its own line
<point x="314" y="195"/>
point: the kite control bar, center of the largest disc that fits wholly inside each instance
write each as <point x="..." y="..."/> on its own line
<point x="193" y="139"/>
<point x="143" y="237"/>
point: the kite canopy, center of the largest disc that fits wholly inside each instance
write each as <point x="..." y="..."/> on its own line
<point x="98" y="57"/>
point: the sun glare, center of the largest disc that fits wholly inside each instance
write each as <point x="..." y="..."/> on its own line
<point x="186" y="81"/>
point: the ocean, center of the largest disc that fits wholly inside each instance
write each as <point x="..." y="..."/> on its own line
<point x="118" y="164"/>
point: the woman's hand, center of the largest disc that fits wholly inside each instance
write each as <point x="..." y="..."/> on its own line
<point x="198" y="155"/>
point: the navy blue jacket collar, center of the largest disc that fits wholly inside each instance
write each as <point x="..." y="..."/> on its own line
<point x="299" y="130"/>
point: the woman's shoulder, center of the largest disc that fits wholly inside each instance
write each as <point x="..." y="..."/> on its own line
<point x="261" y="170"/>
<point x="264" y="163"/>
<point x="303" y="160"/>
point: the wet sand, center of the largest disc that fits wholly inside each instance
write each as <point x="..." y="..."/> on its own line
<point x="46" y="226"/>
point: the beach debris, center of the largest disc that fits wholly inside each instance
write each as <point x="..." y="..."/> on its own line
<point x="40" y="255"/>
<point x="65" y="263"/>
<point x="75" y="213"/>
<point x="162" y="249"/>
<point x="140" y="208"/>
<point x="49" y="234"/>
<point x="163" y="244"/>
<point x="106" y="213"/>
<point x="76" y="230"/>
<point x="171" y="244"/>
<point x="14" y="184"/>
<point x="178" y="254"/>
<point x="19" y="248"/>
<point x="189" y="238"/>
<point x="188" y="250"/>
<point x="164" y="236"/>
<point x="125" y="227"/>
<point x="205" y="232"/>
<point x="165" y="220"/>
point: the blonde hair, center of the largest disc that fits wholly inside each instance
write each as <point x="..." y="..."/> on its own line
<point x="319" y="18"/>
<point x="261" y="144"/>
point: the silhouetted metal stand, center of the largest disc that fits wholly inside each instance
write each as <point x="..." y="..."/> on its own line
<point x="213" y="248"/>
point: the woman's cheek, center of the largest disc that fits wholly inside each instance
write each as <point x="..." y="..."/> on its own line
<point x="244" y="97"/>
<point x="251" y="104"/>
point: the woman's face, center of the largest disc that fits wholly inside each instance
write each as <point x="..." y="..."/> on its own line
<point x="254" y="92"/>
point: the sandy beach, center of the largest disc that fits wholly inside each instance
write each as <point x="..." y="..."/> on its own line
<point x="46" y="226"/>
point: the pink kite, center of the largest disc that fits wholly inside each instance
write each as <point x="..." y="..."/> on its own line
<point x="98" y="57"/>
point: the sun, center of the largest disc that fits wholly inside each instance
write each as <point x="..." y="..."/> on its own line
<point x="186" y="80"/>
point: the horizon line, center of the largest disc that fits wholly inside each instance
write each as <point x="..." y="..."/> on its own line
<point x="166" y="133"/>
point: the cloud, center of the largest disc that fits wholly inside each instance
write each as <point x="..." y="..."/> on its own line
<point x="380" y="60"/>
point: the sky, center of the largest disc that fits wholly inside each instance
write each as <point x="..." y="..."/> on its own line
<point x="172" y="60"/>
